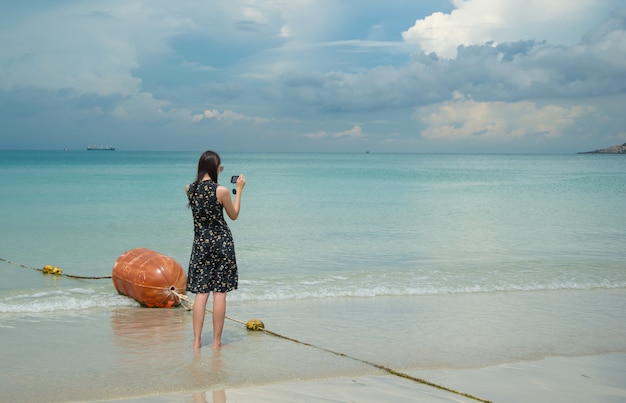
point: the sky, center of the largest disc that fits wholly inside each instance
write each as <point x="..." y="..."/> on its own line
<point x="428" y="76"/>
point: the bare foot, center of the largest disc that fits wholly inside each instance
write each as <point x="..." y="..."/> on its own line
<point x="218" y="345"/>
<point x="197" y="345"/>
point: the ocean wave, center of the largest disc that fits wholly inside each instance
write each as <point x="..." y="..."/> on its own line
<point x="74" y="299"/>
<point x="336" y="286"/>
<point x="306" y="290"/>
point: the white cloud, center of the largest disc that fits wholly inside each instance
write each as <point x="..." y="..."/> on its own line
<point x="228" y="117"/>
<point x="354" y="132"/>
<point x="475" y="22"/>
<point x="468" y="119"/>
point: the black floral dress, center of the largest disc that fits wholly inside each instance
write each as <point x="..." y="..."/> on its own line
<point x="212" y="266"/>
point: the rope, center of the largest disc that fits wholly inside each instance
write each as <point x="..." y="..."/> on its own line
<point x="184" y="300"/>
<point x="390" y="371"/>
<point x="255" y="324"/>
<point x="54" y="270"/>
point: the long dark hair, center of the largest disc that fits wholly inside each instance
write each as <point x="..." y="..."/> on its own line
<point x="209" y="163"/>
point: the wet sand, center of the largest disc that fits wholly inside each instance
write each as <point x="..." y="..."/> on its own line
<point x="505" y="347"/>
<point x="581" y="379"/>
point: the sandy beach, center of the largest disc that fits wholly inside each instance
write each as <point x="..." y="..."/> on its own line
<point x="580" y="379"/>
<point x="139" y="354"/>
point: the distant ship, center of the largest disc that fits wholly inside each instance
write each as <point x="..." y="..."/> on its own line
<point x="100" y="148"/>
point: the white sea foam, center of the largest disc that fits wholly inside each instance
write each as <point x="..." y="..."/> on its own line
<point x="71" y="299"/>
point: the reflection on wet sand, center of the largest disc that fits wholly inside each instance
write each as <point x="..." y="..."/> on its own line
<point x="150" y="349"/>
<point x="199" y="371"/>
<point x="219" y="396"/>
<point x="142" y="329"/>
<point x="152" y="352"/>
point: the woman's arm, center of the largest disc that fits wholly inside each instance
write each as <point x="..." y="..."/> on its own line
<point x="223" y="196"/>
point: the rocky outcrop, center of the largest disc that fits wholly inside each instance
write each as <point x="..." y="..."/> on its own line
<point x="619" y="149"/>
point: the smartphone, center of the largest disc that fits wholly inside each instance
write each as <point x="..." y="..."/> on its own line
<point x="233" y="179"/>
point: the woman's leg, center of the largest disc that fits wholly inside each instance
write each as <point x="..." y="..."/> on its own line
<point x="219" y="313"/>
<point x="199" y="307"/>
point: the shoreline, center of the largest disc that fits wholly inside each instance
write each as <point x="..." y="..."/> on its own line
<point x="478" y="344"/>
<point x="597" y="378"/>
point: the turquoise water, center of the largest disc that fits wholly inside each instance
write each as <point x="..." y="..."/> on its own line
<point x="323" y="225"/>
<point x="409" y="261"/>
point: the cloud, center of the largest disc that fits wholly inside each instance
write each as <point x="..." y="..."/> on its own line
<point x="228" y="117"/>
<point x="476" y="22"/>
<point x="144" y="107"/>
<point x="126" y="67"/>
<point x="354" y="132"/>
<point x="508" y="72"/>
<point x="73" y="46"/>
<point x="464" y="118"/>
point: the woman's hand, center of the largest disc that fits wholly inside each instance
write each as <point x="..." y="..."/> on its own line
<point x="241" y="182"/>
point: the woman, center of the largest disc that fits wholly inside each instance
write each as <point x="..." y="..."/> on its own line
<point x="212" y="266"/>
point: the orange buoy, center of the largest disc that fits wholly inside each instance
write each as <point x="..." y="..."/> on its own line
<point x="149" y="277"/>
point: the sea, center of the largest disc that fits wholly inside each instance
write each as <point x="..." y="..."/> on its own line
<point x="354" y="261"/>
